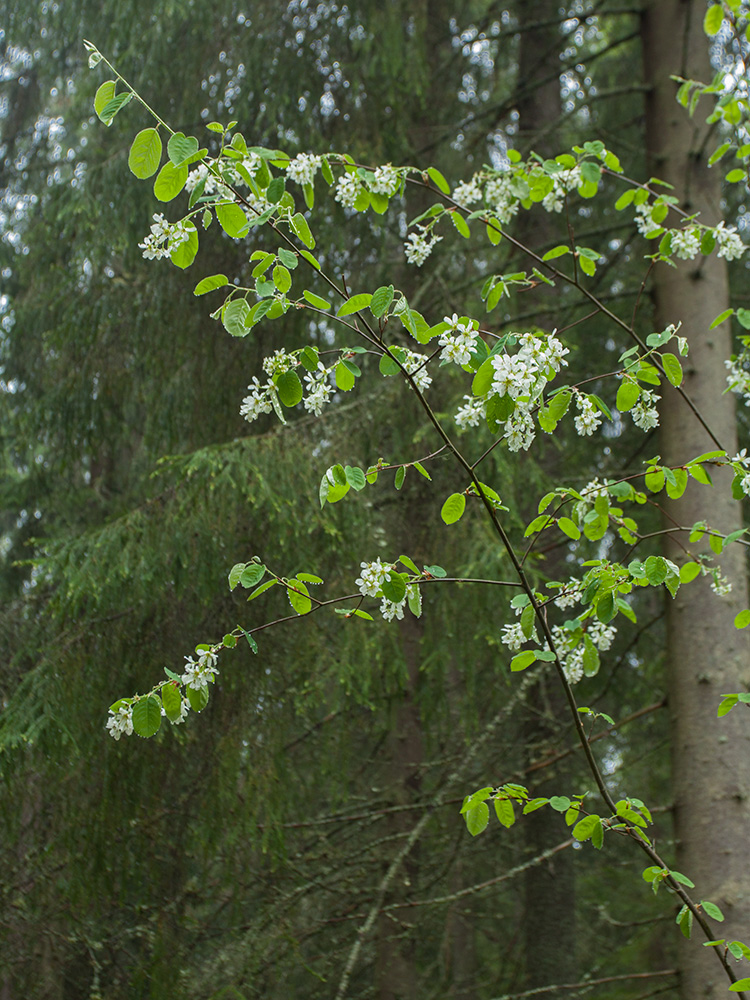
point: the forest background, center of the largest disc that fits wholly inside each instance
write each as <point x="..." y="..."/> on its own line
<point x="302" y="837"/>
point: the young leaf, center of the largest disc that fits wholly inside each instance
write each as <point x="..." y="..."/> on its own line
<point x="453" y="508"/>
<point x="145" y="153"/>
<point x="147" y="716"/>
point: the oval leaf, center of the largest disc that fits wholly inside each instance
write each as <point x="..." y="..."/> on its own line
<point x="453" y="508"/>
<point x="145" y="153"/>
<point x="147" y="716"/>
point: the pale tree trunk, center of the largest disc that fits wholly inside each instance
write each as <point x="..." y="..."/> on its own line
<point x="706" y="655"/>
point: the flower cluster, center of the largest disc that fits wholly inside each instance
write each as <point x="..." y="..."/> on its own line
<point x="415" y="365"/>
<point x="564" y="182"/>
<point x="730" y="245"/>
<point x="644" y="413"/>
<point x="385" y="181"/>
<point x="501" y="198"/>
<point x="570" y="594"/>
<point x="588" y="419"/>
<point x="471" y="413"/>
<point x="523" y="377"/>
<point x="466" y="194"/>
<point x="459" y="340"/>
<point x="686" y="243"/>
<point x="120" y="723"/>
<point x="720" y="585"/>
<point x="348" y="189"/>
<point x="419" y="245"/>
<point x="164" y="238"/>
<point x="319" y="390"/>
<point x="259" y="400"/>
<point x="372" y="577"/>
<point x="278" y="363"/>
<point x="644" y="219"/>
<point x="738" y="378"/>
<point x="303" y="168"/>
<point x="199" y="672"/>
<point x="512" y="636"/>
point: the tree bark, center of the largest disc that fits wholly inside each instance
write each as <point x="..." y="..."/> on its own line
<point x="706" y="655"/>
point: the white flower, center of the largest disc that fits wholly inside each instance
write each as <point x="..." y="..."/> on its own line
<point x="458" y="342"/>
<point x="720" y="584"/>
<point x="730" y="244"/>
<point x="513" y="637"/>
<point x="563" y="182"/>
<point x="303" y="168"/>
<point x="741" y="458"/>
<point x="164" y="237"/>
<point x="389" y="610"/>
<point x="514" y="375"/>
<point x="278" y="363"/>
<point x="385" y="181"/>
<point x="745" y="485"/>
<point x="348" y="188"/>
<point x="588" y="418"/>
<point x="519" y="430"/>
<point x="467" y="193"/>
<point x="419" y="247"/>
<point x="415" y="365"/>
<point x="120" y="722"/>
<point x="570" y="594"/>
<point x="259" y="401"/>
<point x="738" y="378"/>
<point x="373" y="576"/>
<point x="573" y="665"/>
<point x="470" y="414"/>
<point x="199" y="672"/>
<point x="319" y="390"/>
<point x="686" y="243"/>
<point x="600" y="634"/>
<point x="644" y="221"/>
<point x="499" y="195"/>
<point x="644" y="413"/>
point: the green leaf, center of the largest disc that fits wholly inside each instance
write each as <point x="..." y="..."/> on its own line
<point x="145" y="153"/>
<point x="627" y="395"/>
<point x="421" y="470"/>
<point x="299" y="597"/>
<point x="147" y="716"/>
<point x="721" y="317"/>
<point x="477" y="817"/>
<point x="181" y="147"/>
<point x="743" y="316"/>
<point x="210" y="283"/>
<point x="742" y="620"/>
<point x="570" y="528"/>
<point x="282" y="278"/>
<point x="251" y="575"/>
<point x="453" y="508"/>
<point x="198" y="698"/>
<point x="345" y="380"/>
<point x="677" y="488"/>
<point x="172" y="700"/>
<point x="262" y="589"/>
<point x="713" y="20"/>
<point x="398" y="479"/>
<point x="712" y="910"/>
<point x="438" y="180"/>
<point x="494" y="233"/>
<point x="672" y="368"/>
<point x="460" y="223"/>
<point x="523" y="660"/>
<point x="355" y="304"/>
<point x="316" y="300"/>
<point x="560" y="803"/>
<point x="301" y="228"/>
<point x="689" y="571"/>
<point x="289" y="388"/>
<point x="584" y="829"/>
<point x="114" y="105"/>
<point x="170" y="182"/>
<point x="233" y="317"/>
<point x="740" y="986"/>
<point x="395" y="589"/>
<point x="184" y="255"/>
<point x="381" y="300"/>
<point x="355" y="477"/>
<point x="556" y="252"/>
<point x="654" y="479"/>
<point x="684" y="921"/>
<point x="624" y="200"/>
<point x="232" y="220"/>
<point x="504" y="812"/>
<point x="103" y="96"/>
<point x="235" y="573"/>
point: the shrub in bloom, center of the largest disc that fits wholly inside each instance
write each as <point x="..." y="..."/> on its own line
<point x="348" y="188"/>
<point x="415" y="365"/>
<point x="644" y="413"/>
<point x="372" y="577"/>
<point x="258" y="401"/>
<point x="303" y="168"/>
<point x="470" y="413"/>
<point x="459" y="341"/>
<point x="466" y="194"/>
<point x="730" y="245"/>
<point x="385" y="181"/>
<point x="588" y="418"/>
<point x="686" y="243"/>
